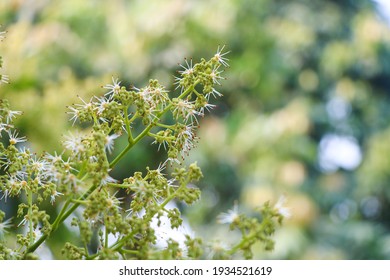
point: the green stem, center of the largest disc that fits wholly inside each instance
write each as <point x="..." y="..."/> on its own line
<point x="82" y="171"/>
<point x="127" y="123"/>
<point x="133" y="117"/>
<point x="135" y="252"/>
<point x="121" y="155"/>
<point x="244" y="240"/>
<point x="155" y="135"/>
<point x="33" y="247"/>
<point x="30" y="223"/>
<point x="79" y="201"/>
<point x="56" y="221"/>
<point x="77" y="204"/>
<point x="122" y="186"/>
<point x="86" y="251"/>
<point x="197" y="93"/>
<point x="165" y="125"/>
<point x="239" y="245"/>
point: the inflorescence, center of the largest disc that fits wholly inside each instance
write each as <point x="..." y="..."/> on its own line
<point x="79" y="177"/>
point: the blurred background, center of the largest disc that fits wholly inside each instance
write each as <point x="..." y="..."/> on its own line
<point x="305" y="111"/>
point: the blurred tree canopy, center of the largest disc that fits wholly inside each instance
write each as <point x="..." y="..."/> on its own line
<point x="304" y="114"/>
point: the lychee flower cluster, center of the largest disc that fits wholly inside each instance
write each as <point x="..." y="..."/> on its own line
<point x="78" y="180"/>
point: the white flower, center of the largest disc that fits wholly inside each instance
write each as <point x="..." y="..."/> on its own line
<point x="85" y="105"/>
<point x="159" y="170"/>
<point x="3" y="227"/>
<point x="54" y="158"/>
<point x="177" y="82"/>
<point x="185" y="109"/>
<point x="101" y="105"/>
<point x="78" y="109"/>
<point x="215" y="93"/>
<point x="216" y="249"/>
<point x="114" y="87"/>
<point x="106" y="180"/>
<point x="11" y="114"/>
<point x="113" y="201"/>
<point x="75" y="113"/>
<point x="219" y="56"/>
<point x="186" y="139"/>
<point x="216" y="75"/>
<point x="160" y="95"/>
<point x="206" y="106"/>
<point x="23" y="222"/>
<point x="109" y="142"/>
<point x="93" y="159"/>
<point x="5" y="195"/>
<point x="171" y="160"/>
<point x="279" y="206"/>
<point x="229" y="217"/>
<point x="13" y="138"/>
<point x="25" y="152"/>
<point x="72" y="181"/>
<point x="160" y="141"/>
<point x="188" y="69"/>
<point x="145" y="94"/>
<point x="74" y="143"/>
<point x="54" y="195"/>
<point x="13" y="183"/>
<point x="5" y="161"/>
<point x="4" y="127"/>
<point x="163" y="138"/>
<point x="40" y="166"/>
